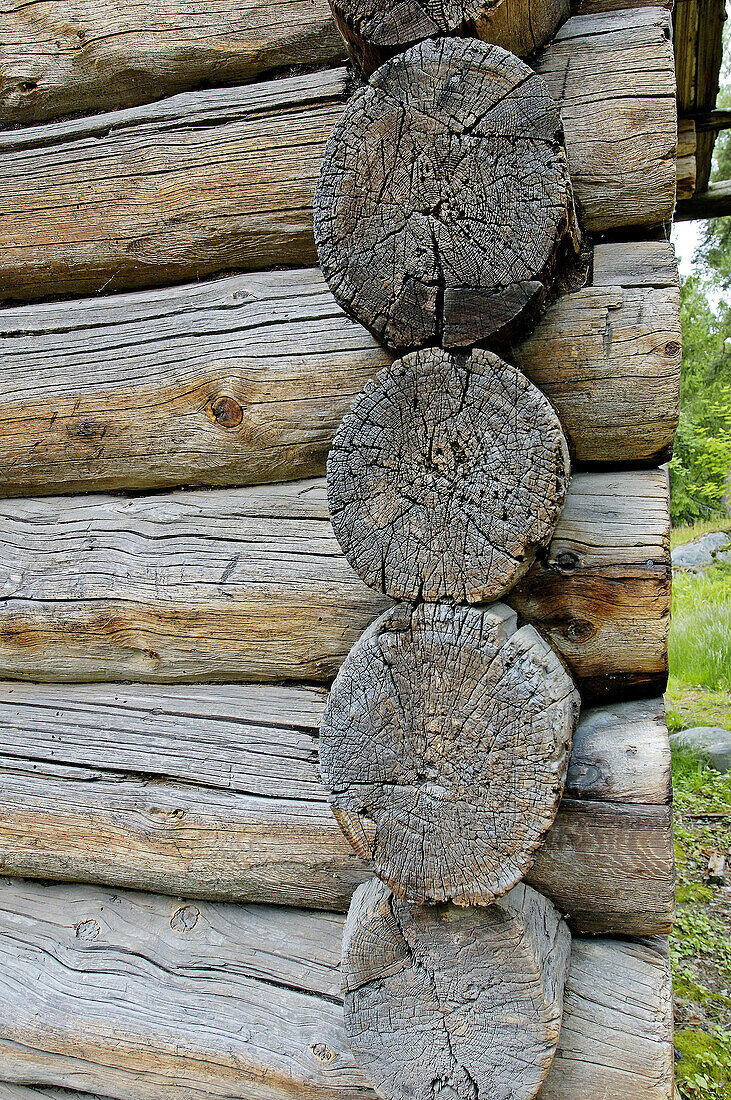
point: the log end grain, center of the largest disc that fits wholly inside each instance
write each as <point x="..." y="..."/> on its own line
<point x="444" y="748"/>
<point x="447" y="477"/>
<point x="454" y="1004"/>
<point x="444" y="206"/>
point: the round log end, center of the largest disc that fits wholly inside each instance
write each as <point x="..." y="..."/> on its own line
<point x="375" y="30"/>
<point x="444" y="206"/>
<point x="444" y="747"/>
<point x="446" y="477"/>
<point x="454" y="1004"/>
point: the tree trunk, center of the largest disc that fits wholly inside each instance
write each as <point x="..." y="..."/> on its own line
<point x="444" y="748"/>
<point x="250" y="584"/>
<point x="405" y="208"/>
<point x="215" y="792"/>
<point x="75" y="415"/>
<point x="446" y="477"/>
<point x="454" y="1004"/>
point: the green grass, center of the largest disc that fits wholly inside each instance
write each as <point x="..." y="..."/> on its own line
<point x="700" y="635"/>
<point x="680" y="535"/>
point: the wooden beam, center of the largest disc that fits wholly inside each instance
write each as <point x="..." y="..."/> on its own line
<point x="245" y="1001"/>
<point x="686" y="158"/>
<point x="213" y="180"/>
<point x="713" y="203"/>
<point x="80" y="56"/>
<point x="698" y="45"/>
<point x="246" y="379"/>
<point x="215" y="792"/>
<point x="712" y="121"/>
<point x="250" y="584"/>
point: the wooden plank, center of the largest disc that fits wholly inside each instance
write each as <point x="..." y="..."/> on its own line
<point x="698" y="43"/>
<point x="76" y="415"/>
<point x="244" y="1001"/>
<point x="212" y="180"/>
<point x="215" y="792"/>
<point x="250" y="584"/>
<point x="70" y="57"/>
<point x="620" y="144"/>
<point x="713" y="203"/>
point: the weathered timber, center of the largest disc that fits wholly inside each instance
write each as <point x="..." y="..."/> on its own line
<point x="215" y="792"/>
<point x="600" y="595"/>
<point x="712" y="121"/>
<point x="444" y="748"/>
<point x="428" y="221"/>
<point x="79" y="56"/>
<point x="250" y="584"/>
<point x="244" y="1002"/>
<point x="623" y="140"/>
<point x="245" y="379"/>
<point x="698" y="43"/>
<point x="686" y="163"/>
<point x="501" y="971"/>
<point x="715" y="202"/>
<point x="446" y="477"/>
<point x="375" y="30"/>
<point x="213" y="180"/>
<point x="593" y="7"/>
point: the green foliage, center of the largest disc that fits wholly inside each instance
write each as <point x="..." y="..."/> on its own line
<point x="704" y="1069"/>
<point x="700" y="634"/>
<point x="702" y="456"/>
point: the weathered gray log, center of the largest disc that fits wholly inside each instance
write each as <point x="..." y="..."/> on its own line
<point x="244" y="1002"/>
<point x="444" y="747"/>
<point x="79" y="56"/>
<point x="75" y="415"/>
<point x="375" y="30"/>
<point x="686" y="164"/>
<point x="213" y="180"/>
<point x="250" y="584"/>
<point x="216" y="792"/>
<point x="430" y="224"/>
<point x="446" y="477"/>
<point x="459" y="1003"/>
<point x="586" y="69"/>
<point x="715" y="202"/>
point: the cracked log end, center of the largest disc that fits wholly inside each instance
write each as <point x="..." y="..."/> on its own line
<point x="446" y="477"/>
<point x="375" y="30"/>
<point x="444" y="748"/>
<point x="444" y="209"/>
<point x="454" y="1004"/>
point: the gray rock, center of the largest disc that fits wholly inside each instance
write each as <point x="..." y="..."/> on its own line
<point x="702" y="552"/>
<point x="713" y="742"/>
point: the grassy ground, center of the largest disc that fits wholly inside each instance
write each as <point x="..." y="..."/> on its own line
<point x="699" y="693"/>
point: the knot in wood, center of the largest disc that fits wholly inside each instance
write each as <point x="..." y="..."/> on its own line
<point x="464" y="1004"/>
<point x="444" y="204"/>
<point x="226" y="411"/>
<point x="446" y="477"/>
<point x="444" y="746"/>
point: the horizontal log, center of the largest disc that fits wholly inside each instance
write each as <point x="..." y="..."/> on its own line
<point x="79" y="56"/>
<point x="245" y="379"/>
<point x="244" y="1001"/>
<point x="712" y="203"/>
<point x="213" y="180"/>
<point x="215" y="792"/>
<point x="712" y="121"/>
<point x="621" y="143"/>
<point x="250" y="584"/>
<point x="686" y="162"/>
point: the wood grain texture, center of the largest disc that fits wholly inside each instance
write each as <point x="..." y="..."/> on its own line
<point x="600" y="602"/>
<point x="446" y="477"/>
<point x="624" y="142"/>
<point x="174" y="997"/>
<point x="431" y="225"/>
<point x="444" y="747"/>
<point x="216" y="792"/>
<point x="625" y="327"/>
<point x="65" y="57"/>
<point x="462" y="1003"/>
<point x="213" y="180"/>
<point x="375" y="30"/>
<point x="250" y="584"/>
<point x="77" y="415"/>
<point x="687" y="145"/>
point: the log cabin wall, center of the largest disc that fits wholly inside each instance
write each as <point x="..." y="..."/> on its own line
<point x="179" y="593"/>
